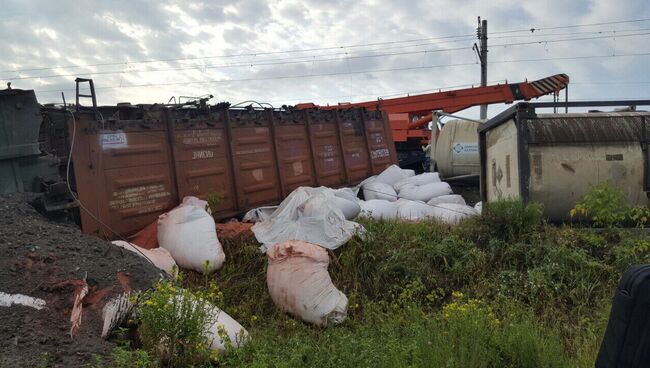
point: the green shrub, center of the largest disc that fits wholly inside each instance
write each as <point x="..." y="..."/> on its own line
<point x="172" y="324"/>
<point x="125" y="358"/>
<point x="509" y="220"/>
<point x="604" y="205"/>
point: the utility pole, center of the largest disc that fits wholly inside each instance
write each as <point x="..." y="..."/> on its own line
<point x="481" y="51"/>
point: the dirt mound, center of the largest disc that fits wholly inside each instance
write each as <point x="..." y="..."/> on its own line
<point x="48" y="260"/>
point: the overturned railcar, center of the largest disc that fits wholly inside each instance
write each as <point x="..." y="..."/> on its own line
<point x="131" y="163"/>
<point x="554" y="158"/>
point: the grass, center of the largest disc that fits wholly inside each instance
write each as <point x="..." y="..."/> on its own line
<point x="491" y="292"/>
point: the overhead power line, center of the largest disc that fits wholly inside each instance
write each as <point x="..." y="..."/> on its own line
<point x="314" y="60"/>
<point x="255" y="54"/>
<point x="223" y="81"/>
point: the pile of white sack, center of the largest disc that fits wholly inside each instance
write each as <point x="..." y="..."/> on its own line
<point x="398" y="194"/>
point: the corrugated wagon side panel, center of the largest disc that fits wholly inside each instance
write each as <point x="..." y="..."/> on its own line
<point x="326" y="146"/>
<point x="293" y="150"/>
<point x="380" y="144"/>
<point x="202" y="159"/>
<point x="254" y="159"/>
<point x="355" y="145"/>
<point x="123" y="173"/>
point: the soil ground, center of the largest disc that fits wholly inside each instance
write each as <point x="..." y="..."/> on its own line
<point x="45" y="259"/>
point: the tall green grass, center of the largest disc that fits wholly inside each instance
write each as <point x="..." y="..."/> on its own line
<point x="501" y="290"/>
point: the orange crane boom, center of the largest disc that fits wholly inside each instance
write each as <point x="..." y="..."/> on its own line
<point x="452" y="101"/>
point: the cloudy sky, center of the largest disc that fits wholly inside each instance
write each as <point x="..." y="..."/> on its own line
<point x="325" y="51"/>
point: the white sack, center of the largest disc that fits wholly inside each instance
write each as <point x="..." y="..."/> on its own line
<point x="236" y="333"/>
<point x="193" y="201"/>
<point x="424" y="192"/>
<point x="452" y="213"/>
<point x="408" y="172"/>
<point x="259" y="214"/>
<point x="391" y="175"/>
<point x="346" y="193"/>
<point x="479" y="207"/>
<point x="379" y="209"/>
<point x="189" y="233"/>
<point x="350" y="209"/>
<point x="299" y="283"/>
<point x="414" y="210"/>
<point x="377" y="190"/>
<point x="160" y="257"/>
<point x="448" y="198"/>
<point x="421" y="179"/>
<point x="308" y="214"/>
<point x="347" y="202"/>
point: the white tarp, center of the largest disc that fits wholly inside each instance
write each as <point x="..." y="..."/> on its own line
<point x="259" y="214"/>
<point x="299" y="283"/>
<point x="189" y="233"/>
<point x="308" y="214"/>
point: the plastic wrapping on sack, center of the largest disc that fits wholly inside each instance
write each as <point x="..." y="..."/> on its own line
<point x="345" y="199"/>
<point x="160" y="257"/>
<point x="391" y="175"/>
<point x="424" y="192"/>
<point x="377" y="190"/>
<point x="421" y="179"/>
<point x="479" y="207"/>
<point x="448" y="198"/>
<point x="300" y="284"/>
<point x="379" y="209"/>
<point x="308" y="214"/>
<point x="259" y="214"/>
<point x="188" y="232"/>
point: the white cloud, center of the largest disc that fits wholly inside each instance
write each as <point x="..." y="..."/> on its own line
<point x="44" y="34"/>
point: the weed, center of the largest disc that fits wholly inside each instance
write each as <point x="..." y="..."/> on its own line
<point x="604" y="204"/>
<point x="214" y="199"/>
<point x="172" y="324"/>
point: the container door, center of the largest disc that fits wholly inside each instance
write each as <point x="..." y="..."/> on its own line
<point x="330" y="169"/>
<point x="255" y="167"/>
<point x="355" y="145"/>
<point x="294" y="151"/>
<point x="202" y="157"/>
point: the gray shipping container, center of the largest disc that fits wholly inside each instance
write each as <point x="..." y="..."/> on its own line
<point x="554" y="159"/>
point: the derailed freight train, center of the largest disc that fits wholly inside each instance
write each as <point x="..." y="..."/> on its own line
<point x="131" y="163"/>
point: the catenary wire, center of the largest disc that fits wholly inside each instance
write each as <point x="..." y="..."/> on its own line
<point x="531" y="30"/>
<point x="307" y="61"/>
